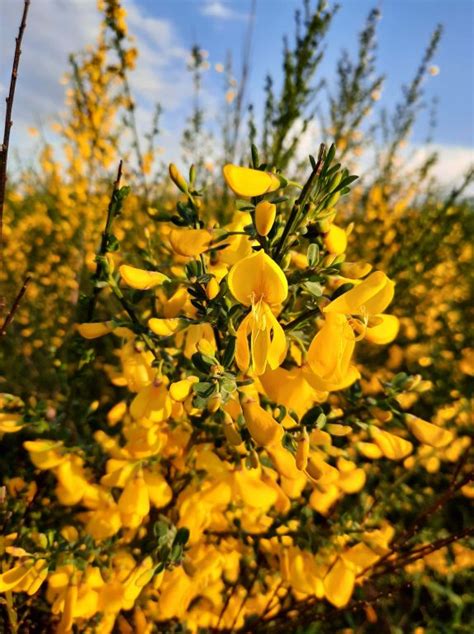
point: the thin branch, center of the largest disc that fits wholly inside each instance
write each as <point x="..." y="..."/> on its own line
<point x="292" y="325"/>
<point x="6" y="133"/>
<point x="245" y="76"/>
<point x="301" y="201"/>
<point x="404" y="537"/>
<point x="9" y="318"/>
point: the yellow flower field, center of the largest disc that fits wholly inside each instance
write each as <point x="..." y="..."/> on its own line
<point x="236" y="395"/>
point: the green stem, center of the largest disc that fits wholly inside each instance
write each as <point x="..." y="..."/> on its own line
<point x="302" y="318"/>
<point x="99" y="271"/>
<point x="300" y="203"/>
<point x="12" y="616"/>
<point x="133" y="316"/>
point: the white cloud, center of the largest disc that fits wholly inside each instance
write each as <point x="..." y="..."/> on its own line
<point x="222" y="11"/>
<point x="54" y="29"/>
<point x="57" y="28"/>
<point x="453" y="162"/>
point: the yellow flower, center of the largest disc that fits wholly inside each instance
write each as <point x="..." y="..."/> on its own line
<point x="339" y="584"/>
<point x="163" y="327"/>
<point x="329" y="355"/>
<point x="141" y="279"/>
<point x="263" y="428"/>
<point x="257" y="281"/>
<point x="335" y="240"/>
<point x="428" y="433"/>
<point x="95" y="329"/>
<point x="134" y="503"/>
<point x="11" y="578"/>
<point x="152" y="402"/>
<point x="44" y="454"/>
<point x="370" y="297"/>
<point x="265" y="213"/>
<point x="355" y="270"/>
<point x="302" y="451"/>
<point x="189" y="242"/>
<point x="367" y="301"/>
<point x="212" y="288"/>
<point x="393" y="447"/>
<point x="10" y="423"/>
<point x="247" y="182"/>
<point x="300" y="569"/>
<point x="289" y="388"/>
<point x="70" y="600"/>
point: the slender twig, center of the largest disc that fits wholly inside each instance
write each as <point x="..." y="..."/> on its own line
<point x="301" y="201"/>
<point x="134" y="319"/>
<point x="103" y="244"/>
<point x="7" y="129"/>
<point x="302" y="318"/>
<point x="413" y="555"/>
<point x="245" y="76"/>
<point x="453" y="487"/>
<point x="247" y="594"/>
<point x="268" y="606"/>
<point x="11" y="314"/>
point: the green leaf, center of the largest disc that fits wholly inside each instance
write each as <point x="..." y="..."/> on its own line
<point x="202" y="362"/>
<point x="313" y="254"/>
<point x="314" y="288"/>
<point x="244" y="205"/>
<point x="255" y="157"/>
<point x="229" y="352"/>
<point x="181" y="537"/>
<point x="321" y="421"/>
<point x="203" y="388"/>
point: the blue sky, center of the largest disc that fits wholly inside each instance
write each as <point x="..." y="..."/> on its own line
<point x="404" y="31"/>
<point x="166" y="29"/>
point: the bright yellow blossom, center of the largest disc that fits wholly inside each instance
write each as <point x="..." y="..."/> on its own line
<point x="258" y="282"/>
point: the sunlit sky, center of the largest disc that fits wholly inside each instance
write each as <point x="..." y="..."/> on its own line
<point x="404" y="32"/>
<point x="166" y="29"/>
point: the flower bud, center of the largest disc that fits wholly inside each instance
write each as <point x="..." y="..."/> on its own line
<point x="178" y="178"/>
<point x="214" y="403"/>
<point x="302" y="450"/>
<point x="335" y="240"/>
<point x="333" y="200"/>
<point x="253" y="459"/>
<point x="263" y="428"/>
<point x="329" y="259"/>
<point x="231" y="432"/>
<point x="265" y="213"/>
<point x="382" y="415"/>
<point x="285" y="263"/>
<point x="412" y="382"/>
<point x="212" y="288"/>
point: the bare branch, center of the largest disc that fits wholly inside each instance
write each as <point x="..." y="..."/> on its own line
<point x="6" y="133"/>
<point x="9" y="318"/>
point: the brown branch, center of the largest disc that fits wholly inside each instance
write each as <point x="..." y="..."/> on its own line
<point x="418" y="553"/>
<point x="453" y="487"/>
<point x="6" y="133"/>
<point x="9" y="318"/>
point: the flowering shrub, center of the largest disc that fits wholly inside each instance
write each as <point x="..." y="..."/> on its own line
<point x="219" y="422"/>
